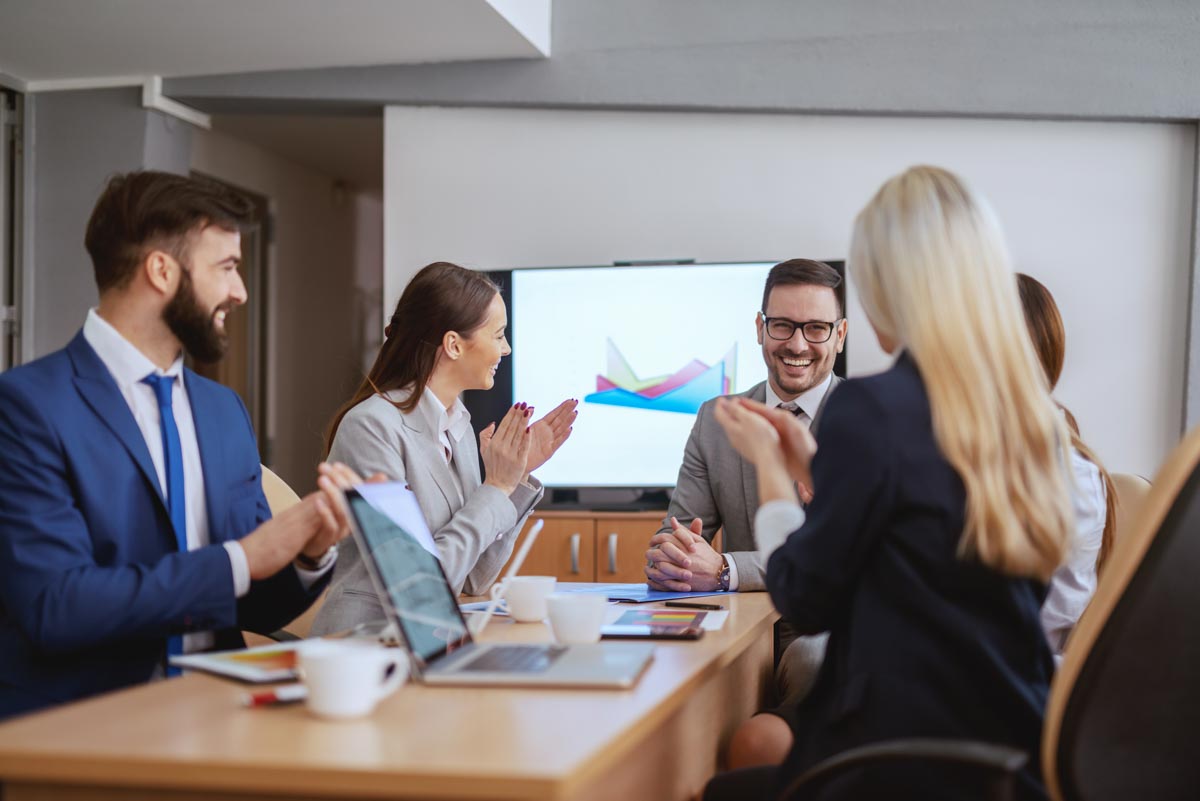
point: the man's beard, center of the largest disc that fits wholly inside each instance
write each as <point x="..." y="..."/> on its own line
<point x="193" y="325"/>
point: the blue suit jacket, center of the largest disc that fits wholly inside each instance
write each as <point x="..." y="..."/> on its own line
<point x="91" y="581"/>
<point x="922" y="643"/>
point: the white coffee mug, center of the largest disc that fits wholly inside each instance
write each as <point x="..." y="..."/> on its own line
<point x="525" y="596"/>
<point x="576" y="617"/>
<point x="347" y="679"/>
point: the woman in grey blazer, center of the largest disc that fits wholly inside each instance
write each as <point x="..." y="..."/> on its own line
<point x="408" y="422"/>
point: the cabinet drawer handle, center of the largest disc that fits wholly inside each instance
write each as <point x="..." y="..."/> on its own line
<point x="612" y="553"/>
<point x="575" y="538"/>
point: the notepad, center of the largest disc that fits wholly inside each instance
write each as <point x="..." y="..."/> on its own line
<point x="660" y="617"/>
<point x="260" y="665"/>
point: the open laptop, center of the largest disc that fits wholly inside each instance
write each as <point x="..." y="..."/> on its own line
<point x="413" y="590"/>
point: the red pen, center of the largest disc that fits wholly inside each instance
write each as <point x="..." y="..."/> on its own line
<point x="287" y="694"/>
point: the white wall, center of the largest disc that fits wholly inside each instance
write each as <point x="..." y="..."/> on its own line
<point x="1098" y="211"/>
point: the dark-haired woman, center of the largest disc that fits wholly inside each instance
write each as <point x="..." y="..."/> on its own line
<point x="1094" y="497"/>
<point x="407" y="421"/>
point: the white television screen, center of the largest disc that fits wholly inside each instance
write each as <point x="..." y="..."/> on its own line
<point x="642" y="348"/>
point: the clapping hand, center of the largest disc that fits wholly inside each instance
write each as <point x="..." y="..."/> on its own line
<point x="505" y="449"/>
<point x="773" y="440"/>
<point x="795" y="440"/>
<point x="550" y="433"/>
<point x="311" y="527"/>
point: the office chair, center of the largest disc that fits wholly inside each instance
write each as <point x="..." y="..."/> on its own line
<point x="280" y="497"/>
<point x="1124" y="707"/>
<point x="1132" y="491"/>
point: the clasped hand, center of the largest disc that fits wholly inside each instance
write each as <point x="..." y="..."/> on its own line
<point x="680" y="560"/>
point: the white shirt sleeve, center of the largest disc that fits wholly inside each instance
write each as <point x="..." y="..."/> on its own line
<point x="773" y="522"/>
<point x="311" y="577"/>
<point x="1074" y="582"/>
<point x="733" y="579"/>
<point x="240" y="567"/>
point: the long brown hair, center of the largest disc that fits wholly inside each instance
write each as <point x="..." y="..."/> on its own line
<point x="1049" y="337"/>
<point x="442" y="297"/>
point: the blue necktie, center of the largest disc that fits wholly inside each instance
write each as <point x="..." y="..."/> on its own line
<point x="173" y="458"/>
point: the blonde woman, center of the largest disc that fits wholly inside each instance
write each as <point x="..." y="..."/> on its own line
<point x="940" y="507"/>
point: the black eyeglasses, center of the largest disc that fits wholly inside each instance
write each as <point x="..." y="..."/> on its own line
<point x="783" y="329"/>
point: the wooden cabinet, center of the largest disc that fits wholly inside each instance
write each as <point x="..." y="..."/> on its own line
<point x="582" y="546"/>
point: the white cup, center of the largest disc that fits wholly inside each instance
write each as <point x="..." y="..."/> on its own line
<point x="347" y="679"/>
<point x="525" y="596"/>
<point x="576" y="617"/>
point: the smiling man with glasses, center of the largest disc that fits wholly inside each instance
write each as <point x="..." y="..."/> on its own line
<point x="801" y="328"/>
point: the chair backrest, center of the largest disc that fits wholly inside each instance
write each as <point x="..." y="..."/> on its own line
<point x="279" y="495"/>
<point x="1132" y="491"/>
<point x="1124" y="707"/>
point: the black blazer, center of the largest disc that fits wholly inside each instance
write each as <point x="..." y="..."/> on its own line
<point x="923" y="643"/>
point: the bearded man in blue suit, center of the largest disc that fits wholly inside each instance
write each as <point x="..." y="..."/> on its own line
<point x="133" y="525"/>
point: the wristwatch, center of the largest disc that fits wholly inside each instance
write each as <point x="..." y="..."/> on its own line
<point x="322" y="561"/>
<point x="723" y="576"/>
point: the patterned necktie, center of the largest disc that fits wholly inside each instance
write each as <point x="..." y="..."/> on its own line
<point x="173" y="460"/>
<point x="795" y="410"/>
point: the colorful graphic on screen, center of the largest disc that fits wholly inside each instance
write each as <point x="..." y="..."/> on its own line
<point x="682" y="391"/>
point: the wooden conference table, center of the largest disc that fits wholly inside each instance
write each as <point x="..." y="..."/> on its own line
<point x="189" y="738"/>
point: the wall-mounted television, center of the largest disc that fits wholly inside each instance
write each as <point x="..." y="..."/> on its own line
<point x="642" y="346"/>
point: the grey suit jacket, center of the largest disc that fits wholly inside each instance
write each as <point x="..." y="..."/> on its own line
<point x="474" y="529"/>
<point x="718" y="486"/>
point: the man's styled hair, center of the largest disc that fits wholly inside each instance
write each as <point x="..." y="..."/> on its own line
<point x="144" y="210"/>
<point x="795" y="272"/>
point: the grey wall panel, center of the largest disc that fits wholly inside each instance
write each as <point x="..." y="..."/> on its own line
<point x="168" y="144"/>
<point x="1074" y="58"/>
<point x="80" y="139"/>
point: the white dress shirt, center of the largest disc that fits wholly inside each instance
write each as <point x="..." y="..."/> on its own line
<point x="808" y="401"/>
<point x="1073" y="584"/>
<point x="449" y="425"/>
<point x="128" y="366"/>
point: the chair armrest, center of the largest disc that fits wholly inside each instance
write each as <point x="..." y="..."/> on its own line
<point x="995" y="766"/>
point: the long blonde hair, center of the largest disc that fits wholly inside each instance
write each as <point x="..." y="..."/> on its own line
<point x="934" y="276"/>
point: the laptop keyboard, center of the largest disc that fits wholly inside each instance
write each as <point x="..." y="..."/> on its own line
<point x="515" y="659"/>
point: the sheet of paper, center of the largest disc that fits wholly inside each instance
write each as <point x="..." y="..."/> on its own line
<point x="399" y="504"/>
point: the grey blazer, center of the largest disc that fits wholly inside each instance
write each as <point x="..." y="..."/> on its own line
<point x="474" y="529"/>
<point x="718" y="486"/>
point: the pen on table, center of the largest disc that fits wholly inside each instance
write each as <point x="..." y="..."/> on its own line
<point x="287" y="694"/>
<point x="687" y="605"/>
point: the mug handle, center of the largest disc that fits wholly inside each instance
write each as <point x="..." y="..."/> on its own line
<point x="399" y="665"/>
<point x="498" y="589"/>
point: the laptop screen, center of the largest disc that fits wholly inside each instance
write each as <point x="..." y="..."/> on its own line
<point x="412" y="579"/>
